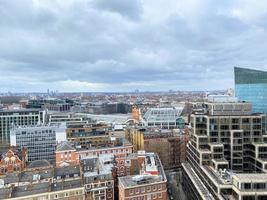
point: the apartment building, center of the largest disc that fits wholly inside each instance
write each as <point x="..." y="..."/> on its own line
<point x="226" y="152"/>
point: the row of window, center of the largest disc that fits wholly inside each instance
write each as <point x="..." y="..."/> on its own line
<point x="145" y="189"/>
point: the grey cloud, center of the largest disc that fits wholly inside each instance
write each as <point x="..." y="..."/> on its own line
<point x="114" y="44"/>
<point x="131" y="9"/>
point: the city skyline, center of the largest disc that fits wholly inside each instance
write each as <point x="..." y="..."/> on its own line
<point x="120" y="46"/>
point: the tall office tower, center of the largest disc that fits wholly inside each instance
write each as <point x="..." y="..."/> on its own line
<point x="8" y="118"/>
<point x="226" y="153"/>
<point x="251" y="86"/>
<point x="40" y="141"/>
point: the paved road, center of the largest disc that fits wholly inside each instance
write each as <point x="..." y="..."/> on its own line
<point x="174" y="186"/>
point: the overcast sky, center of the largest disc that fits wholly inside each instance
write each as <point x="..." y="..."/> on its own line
<point x="123" y="45"/>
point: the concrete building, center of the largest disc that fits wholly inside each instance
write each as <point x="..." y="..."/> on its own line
<point x="170" y="145"/>
<point x="40" y="141"/>
<point x="22" y="117"/>
<point x="149" y="183"/>
<point x="226" y="153"/>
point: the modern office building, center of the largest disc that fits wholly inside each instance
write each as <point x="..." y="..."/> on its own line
<point x="89" y="135"/>
<point x="68" y="118"/>
<point x="149" y="180"/>
<point x="226" y="153"/>
<point x="251" y="86"/>
<point x="40" y="141"/>
<point x="23" y="117"/>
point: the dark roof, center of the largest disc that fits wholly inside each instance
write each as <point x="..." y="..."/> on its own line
<point x="39" y="164"/>
<point x="68" y="170"/>
<point x="249" y="76"/>
<point x="66" y="185"/>
<point x="30" y="189"/>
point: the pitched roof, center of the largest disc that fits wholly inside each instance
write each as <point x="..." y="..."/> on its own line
<point x="65" y="146"/>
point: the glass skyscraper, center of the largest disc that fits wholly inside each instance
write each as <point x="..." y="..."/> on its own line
<point x="251" y="86"/>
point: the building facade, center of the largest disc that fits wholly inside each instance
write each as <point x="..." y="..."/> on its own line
<point x="148" y="183"/>
<point x="24" y="117"/>
<point x="40" y="141"/>
<point x="98" y="177"/>
<point x="226" y="153"/>
<point x="13" y="161"/>
<point x="88" y="136"/>
<point x="170" y="145"/>
<point x="251" y="86"/>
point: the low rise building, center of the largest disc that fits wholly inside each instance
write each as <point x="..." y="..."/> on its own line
<point x="67" y="154"/>
<point x="13" y="160"/>
<point x="49" y="183"/>
<point x="149" y="183"/>
<point x="98" y="177"/>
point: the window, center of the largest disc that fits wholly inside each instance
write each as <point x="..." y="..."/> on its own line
<point x="143" y="190"/>
<point x="160" y="187"/>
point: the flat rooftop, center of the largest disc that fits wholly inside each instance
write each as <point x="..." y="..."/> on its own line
<point x="245" y="177"/>
<point x="152" y="163"/>
<point x="138" y="180"/>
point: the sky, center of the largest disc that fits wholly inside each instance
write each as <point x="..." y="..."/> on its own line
<point x="124" y="45"/>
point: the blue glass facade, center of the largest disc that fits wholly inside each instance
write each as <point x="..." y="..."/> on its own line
<point x="251" y="86"/>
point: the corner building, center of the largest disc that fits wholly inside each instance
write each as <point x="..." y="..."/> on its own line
<point x="226" y="153"/>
